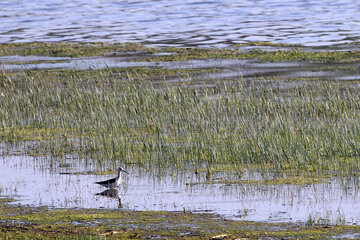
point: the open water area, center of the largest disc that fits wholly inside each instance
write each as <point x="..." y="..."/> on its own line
<point x="36" y="182"/>
<point x="181" y="23"/>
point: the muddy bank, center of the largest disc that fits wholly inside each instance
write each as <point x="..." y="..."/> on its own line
<point x="41" y="223"/>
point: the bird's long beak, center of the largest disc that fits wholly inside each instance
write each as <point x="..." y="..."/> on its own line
<point x="125" y="172"/>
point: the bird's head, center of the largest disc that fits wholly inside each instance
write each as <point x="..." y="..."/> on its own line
<point x="120" y="169"/>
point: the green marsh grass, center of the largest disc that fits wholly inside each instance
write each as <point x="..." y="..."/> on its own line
<point x="313" y="129"/>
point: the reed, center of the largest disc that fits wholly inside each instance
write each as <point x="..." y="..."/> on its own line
<point x="311" y="129"/>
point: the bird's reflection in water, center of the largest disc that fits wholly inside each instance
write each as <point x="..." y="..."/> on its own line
<point x="112" y="193"/>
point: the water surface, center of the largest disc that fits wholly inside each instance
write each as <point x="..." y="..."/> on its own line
<point x="182" y="23"/>
<point x="38" y="182"/>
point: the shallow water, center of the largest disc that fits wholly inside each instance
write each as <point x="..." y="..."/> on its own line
<point x="37" y="182"/>
<point x="227" y="68"/>
<point x="182" y="23"/>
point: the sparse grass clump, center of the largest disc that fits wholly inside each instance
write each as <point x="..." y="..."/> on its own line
<point x="311" y="129"/>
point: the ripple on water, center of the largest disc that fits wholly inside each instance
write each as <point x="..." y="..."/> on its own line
<point x="33" y="182"/>
<point x="182" y="23"/>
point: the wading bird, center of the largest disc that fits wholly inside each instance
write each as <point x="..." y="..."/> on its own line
<point x="114" y="182"/>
